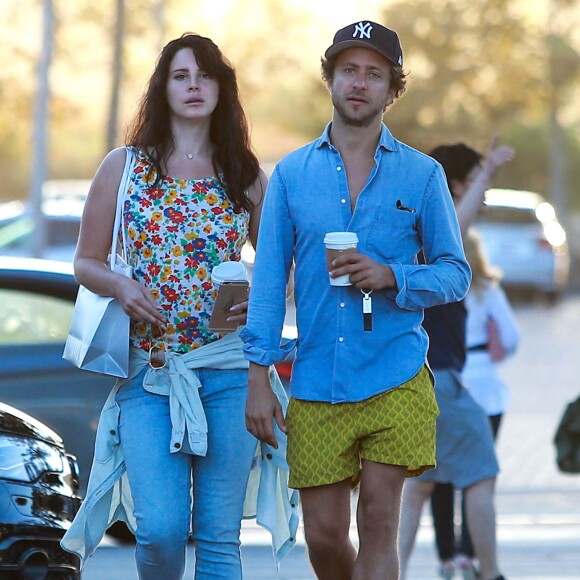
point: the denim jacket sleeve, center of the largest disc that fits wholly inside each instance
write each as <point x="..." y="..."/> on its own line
<point x="108" y="496"/>
<point x="268" y="497"/>
<point x="262" y="334"/>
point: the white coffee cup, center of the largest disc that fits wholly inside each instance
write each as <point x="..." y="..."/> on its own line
<point x="228" y="272"/>
<point x="337" y="244"/>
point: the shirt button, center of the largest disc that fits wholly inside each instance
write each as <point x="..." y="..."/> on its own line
<point x="338" y="168"/>
<point x="269" y="455"/>
<point x="177" y="445"/>
<point x="341" y="339"/>
<point x="343" y="200"/>
<point x="112" y="432"/>
<point x="342" y="304"/>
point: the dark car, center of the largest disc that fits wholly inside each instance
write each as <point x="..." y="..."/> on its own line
<point x="38" y="500"/>
<point x="36" y="306"/>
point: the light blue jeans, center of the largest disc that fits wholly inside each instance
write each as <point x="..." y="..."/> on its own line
<point x="162" y="482"/>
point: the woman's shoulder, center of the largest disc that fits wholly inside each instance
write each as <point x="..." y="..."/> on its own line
<point x="115" y="158"/>
<point x="257" y="190"/>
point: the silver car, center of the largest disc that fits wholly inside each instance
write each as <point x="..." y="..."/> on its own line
<point x="525" y="240"/>
<point x="62" y="207"/>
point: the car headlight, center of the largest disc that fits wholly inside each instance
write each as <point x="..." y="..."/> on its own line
<point x="23" y="459"/>
<point x="555" y="234"/>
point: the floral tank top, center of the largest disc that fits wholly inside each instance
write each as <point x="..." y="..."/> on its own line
<point x="176" y="232"/>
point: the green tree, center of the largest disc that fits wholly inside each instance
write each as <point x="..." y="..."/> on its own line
<point x="473" y="69"/>
<point x="480" y="67"/>
<point x="563" y="71"/>
<point x="117" y="63"/>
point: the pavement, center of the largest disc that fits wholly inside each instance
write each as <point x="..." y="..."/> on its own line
<point x="538" y="508"/>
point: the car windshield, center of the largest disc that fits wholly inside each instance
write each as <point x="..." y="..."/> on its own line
<point x="506" y="215"/>
<point x="17" y="233"/>
<point x="23" y="459"/>
<point x="29" y="318"/>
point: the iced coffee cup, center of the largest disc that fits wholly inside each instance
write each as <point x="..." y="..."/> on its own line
<point x="228" y="272"/>
<point x="337" y="244"/>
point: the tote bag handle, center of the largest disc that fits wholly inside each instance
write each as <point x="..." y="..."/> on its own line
<point x="118" y="224"/>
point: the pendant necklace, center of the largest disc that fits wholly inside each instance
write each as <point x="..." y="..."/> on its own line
<point x="192" y="155"/>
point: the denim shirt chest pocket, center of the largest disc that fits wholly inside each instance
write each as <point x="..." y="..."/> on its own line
<point x="393" y="233"/>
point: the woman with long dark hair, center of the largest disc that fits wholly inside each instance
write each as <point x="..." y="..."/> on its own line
<point x="194" y="197"/>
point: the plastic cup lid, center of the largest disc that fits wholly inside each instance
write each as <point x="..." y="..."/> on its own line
<point x="341" y="238"/>
<point x="228" y="271"/>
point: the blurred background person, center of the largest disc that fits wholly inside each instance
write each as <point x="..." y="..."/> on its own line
<point x="463" y="432"/>
<point x="492" y="333"/>
<point x="469" y="176"/>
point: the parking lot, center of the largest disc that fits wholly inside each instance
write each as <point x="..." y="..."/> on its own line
<point x="538" y="507"/>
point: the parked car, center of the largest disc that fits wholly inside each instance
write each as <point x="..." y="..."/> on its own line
<point x="38" y="500"/>
<point x="62" y="206"/>
<point x="525" y="240"/>
<point x="36" y="305"/>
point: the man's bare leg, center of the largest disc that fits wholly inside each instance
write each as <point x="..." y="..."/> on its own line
<point x="378" y="511"/>
<point x="326" y="512"/>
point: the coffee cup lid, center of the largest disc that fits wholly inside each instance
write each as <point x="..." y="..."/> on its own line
<point x="341" y="238"/>
<point x="227" y="271"/>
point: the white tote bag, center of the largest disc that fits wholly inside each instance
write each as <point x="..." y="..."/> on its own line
<point x="98" y="338"/>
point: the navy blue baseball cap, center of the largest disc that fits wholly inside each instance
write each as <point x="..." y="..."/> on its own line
<point x="371" y="35"/>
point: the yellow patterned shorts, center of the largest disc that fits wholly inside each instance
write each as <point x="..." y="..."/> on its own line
<point x="326" y="442"/>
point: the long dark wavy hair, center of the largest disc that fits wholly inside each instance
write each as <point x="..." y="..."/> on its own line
<point x="233" y="158"/>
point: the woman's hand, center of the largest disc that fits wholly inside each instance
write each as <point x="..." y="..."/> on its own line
<point x="138" y="302"/>
<point x="239" y="313"/>
<point x="497" y="156"/>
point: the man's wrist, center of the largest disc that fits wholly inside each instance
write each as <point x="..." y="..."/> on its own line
<point x="258" y="375"/>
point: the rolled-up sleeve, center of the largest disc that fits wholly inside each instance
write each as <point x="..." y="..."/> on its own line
<point x="267" y="308"/>
<point x="445" y="276"/>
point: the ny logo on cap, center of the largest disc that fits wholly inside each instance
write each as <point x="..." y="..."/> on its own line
<point x="363" y="30"/>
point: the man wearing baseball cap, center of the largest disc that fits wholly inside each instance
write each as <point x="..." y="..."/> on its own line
<point x="362" y="407"/>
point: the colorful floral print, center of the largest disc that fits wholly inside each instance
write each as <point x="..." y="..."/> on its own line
<point x="177" y="231"/>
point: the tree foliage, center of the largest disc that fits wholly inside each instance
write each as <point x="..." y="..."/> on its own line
<point x="477" y="67"/>
<point x="474" y="68"/>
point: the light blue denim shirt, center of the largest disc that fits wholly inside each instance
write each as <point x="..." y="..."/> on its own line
<point x="405" y="206"/>
<point x="268" y="498"/>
